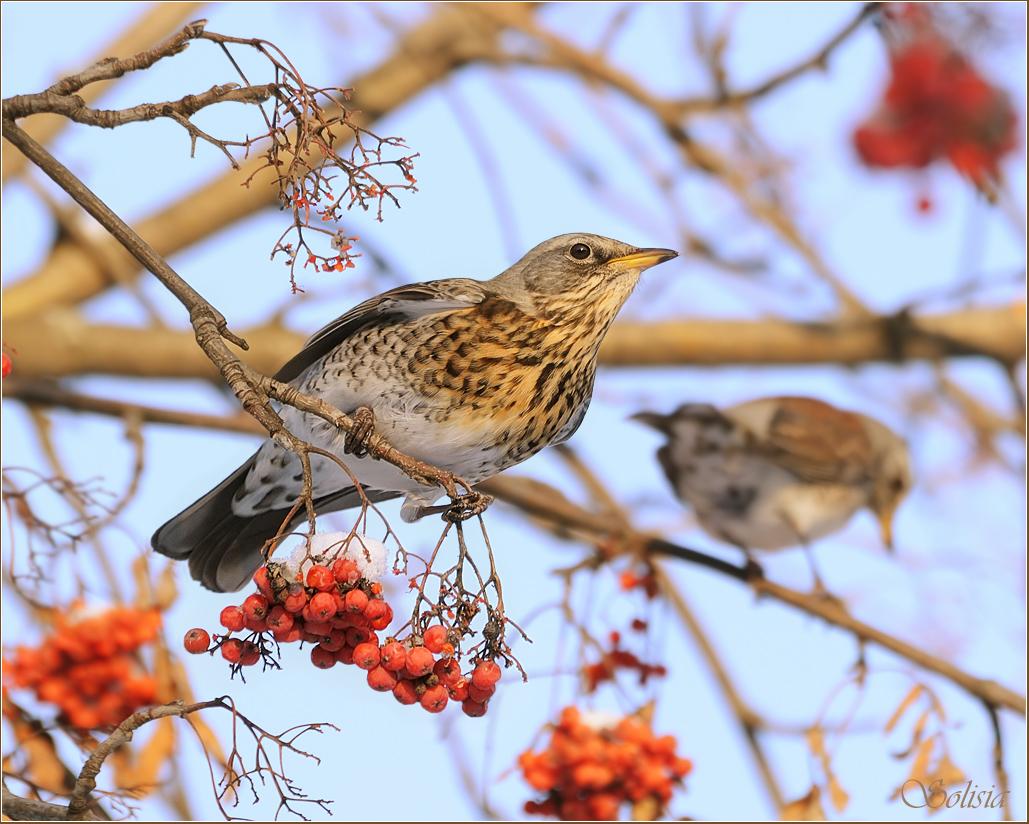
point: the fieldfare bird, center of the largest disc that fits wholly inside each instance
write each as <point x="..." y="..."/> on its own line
<point x="780" y="472"/>
<point x="470" y="376"/>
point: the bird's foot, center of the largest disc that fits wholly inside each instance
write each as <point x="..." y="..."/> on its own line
<point x="464" y="507"/>
<point x="824" y="594"/>
<point x="356" y="441"/>
<point x="753" y="571"/>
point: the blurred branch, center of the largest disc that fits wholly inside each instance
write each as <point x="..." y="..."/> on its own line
<point x="62" y="343"/>
<point x="211" y="332"/>
<point x="999" y="770"/>
<point x="43" y="393"/>
<point x="818" y="60"/>
<point x="750" y="722"/>
<point x="430" y="51"/>
<point x="156" y="22"/>
<point x="566" y="519"/>
<point x="561" y="54"/>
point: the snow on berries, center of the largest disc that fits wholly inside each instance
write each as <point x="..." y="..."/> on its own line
<point x="334" y="603"/>
<point x="89" y="666"/>
<point x="594" y="766"/>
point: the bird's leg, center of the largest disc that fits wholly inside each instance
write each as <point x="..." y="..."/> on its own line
<point x="356" y="441"/>
<point x="754" y="570"/>
<point x="460" y="508"/>
<point x="467" y="506"/>
<point x="820" y="588"/>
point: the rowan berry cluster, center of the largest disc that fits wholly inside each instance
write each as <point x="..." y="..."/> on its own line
<point x="592" y="767"/>
<point x="618" y="658"/>
<point x="341" y="613"/>
<point x="87" y="667"/>
<point x="937" y="106"/>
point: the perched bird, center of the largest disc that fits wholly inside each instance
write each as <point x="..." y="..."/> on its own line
<point x="780" y="472"/>
<point x="470" y="376"/>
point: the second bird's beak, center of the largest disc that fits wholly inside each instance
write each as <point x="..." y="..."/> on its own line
<point x="886" y="528"/>
<point x="643" y="258"/>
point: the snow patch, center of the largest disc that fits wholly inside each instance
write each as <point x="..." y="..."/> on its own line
<point x="369" y="554"/>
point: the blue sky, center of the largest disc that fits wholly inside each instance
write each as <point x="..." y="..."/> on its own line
<point x="956" y="586"/>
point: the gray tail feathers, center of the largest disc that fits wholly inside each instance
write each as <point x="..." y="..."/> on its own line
<point x="225" y="549"/>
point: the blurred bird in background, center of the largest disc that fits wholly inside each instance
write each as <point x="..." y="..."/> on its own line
<point x="469" y="376"/>
<point x="779" y="472"/>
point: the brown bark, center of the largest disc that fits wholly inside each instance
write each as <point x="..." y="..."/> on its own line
<point x="61" y="343"/>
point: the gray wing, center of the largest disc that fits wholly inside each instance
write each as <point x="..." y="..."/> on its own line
<point x="394" y="306"/>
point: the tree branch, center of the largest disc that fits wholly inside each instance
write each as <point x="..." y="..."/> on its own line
<point x="154" y="24"/>
<point x="61" y="342"/>
<point x="210" y="331"/>
<point x="564" y="518"/>
<point x="445" y="41"/>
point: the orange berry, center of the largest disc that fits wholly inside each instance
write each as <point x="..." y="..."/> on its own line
<point x="435" y="699"/>
<point x="434" y="638"/>
<point x="366" y="655"/>
<point x="381" y="679"/>
<point x="419" y="661"/>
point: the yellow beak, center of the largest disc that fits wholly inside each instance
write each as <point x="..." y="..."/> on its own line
<point x="886" y="528"/>
<point x="643" y="258"/>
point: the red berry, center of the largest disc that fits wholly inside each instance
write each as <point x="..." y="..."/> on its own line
<point x="345" y="571"/>
<point x="320" y="577"/>
<point x="485" y="675"/>
<point x="255" y="607"/>
<point x="376" y="609"/>
<point x="356" y="601"/>
<point x="232" y="618"/>
<point x="263" y="582"/>
<point x="381" y="679"/>
<point x="448" y="671"/>
<point x="435" y="699"/>
<point x="232" y="649"/>
<point x="6" y="367"/>
<point x="358" y="635"/>
<point x="317" y="628"/>
<point x="459" y="689"/>
<point x="419" y="661"/>
<point x="278" y="619"/>
<point x="393" y="656"/>
<point x="296" y="600"/>
<point x="473" y="709"/>
<point x="196" y="641"/>
<point x="345" y="655"/>
<point x="255" y="624"/>
<point x="322" y="658"/>
<point x="322" y="606"/>
<point x="289" y="636"/>
<point x="366" y="656"/>
<point x="334" y="641"/>
<point x="480" y="695"/>
<point x="404" y="692"/>
<point x="385" y="620"/>
<point x="434" y="638"/>
<point x="250" y="654"/>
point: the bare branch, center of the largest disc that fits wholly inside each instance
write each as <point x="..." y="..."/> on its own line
<point x="565" y="518"/>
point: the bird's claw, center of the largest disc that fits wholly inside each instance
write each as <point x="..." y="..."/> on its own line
<point x="356" y="441"/>
<point x="467" y="506"/>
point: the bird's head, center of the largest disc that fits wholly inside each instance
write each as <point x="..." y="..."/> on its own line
<point x="892" y="479"/>
<point x="581" y="269"/>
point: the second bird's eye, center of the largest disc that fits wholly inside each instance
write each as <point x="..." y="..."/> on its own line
<point x="580" y="251"/>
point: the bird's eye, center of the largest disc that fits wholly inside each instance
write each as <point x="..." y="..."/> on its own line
<point x="897" y="485"/>
<point x="580" y="251"/>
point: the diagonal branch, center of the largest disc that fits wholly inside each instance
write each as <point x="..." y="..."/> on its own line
<point x="211" y="331"/>
<point x="564" y="518"/>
